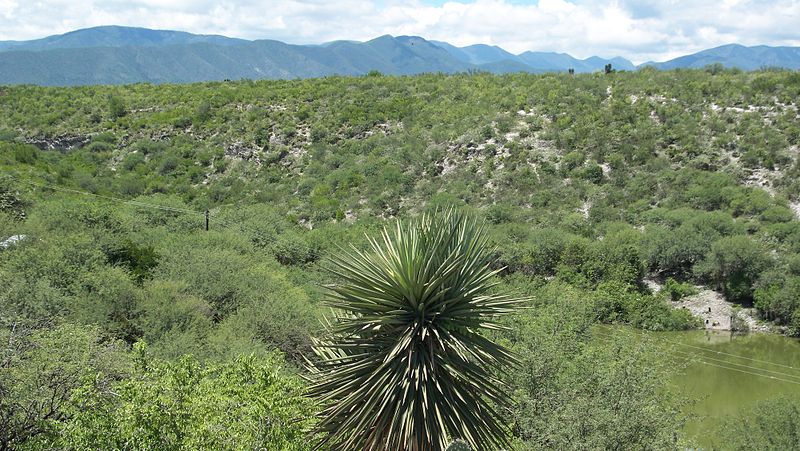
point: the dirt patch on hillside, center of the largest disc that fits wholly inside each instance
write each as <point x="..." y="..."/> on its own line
<point x="716" y="313"/>
<point x="713" y="310"/>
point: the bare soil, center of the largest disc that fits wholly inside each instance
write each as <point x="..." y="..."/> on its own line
<point x="713" y="310"/>
<point x="716" y="313"/>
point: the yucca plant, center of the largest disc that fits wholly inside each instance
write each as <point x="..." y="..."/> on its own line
<point x="404" y="365"/>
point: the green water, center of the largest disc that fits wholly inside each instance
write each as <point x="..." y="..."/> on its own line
<point x="739" y="370"/>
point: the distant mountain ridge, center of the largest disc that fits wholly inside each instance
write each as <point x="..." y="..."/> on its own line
<point x="116" y="36"/>
<point x="482" y="54"/>
<point x="116" y="55"/>
<point x="735" y="55"/>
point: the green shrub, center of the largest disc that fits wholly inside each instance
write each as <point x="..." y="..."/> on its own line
<point x="734" y="264"/>
<point x="116" y="107"/>
<point x="12" y="202"/>
<point x="616" y="303"/>
<point x="42" y="370"/>
<point x="769" y="425"/>
<point x="108" y="299"/>
<point x="23" y="153"/>
<point x="247" y="403"/>
<point x="293" y="249"/>
<point x="777" y="297"/>
<point x="571" y="161"/>
<point x="499" y="214"/>
<point x="677" y="290"/>
<point x="777" y="214"/>
<point x="592" y="173"/>
<point x="579" y="388"/>
<point x="169" y="164"/>
<point x="138" y="259"/>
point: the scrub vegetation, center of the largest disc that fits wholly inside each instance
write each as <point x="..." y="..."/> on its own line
<point x="125" y="324"/>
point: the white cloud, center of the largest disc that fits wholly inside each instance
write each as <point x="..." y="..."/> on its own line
<point x="640" y="30"/>
<point x="7" y="8"/>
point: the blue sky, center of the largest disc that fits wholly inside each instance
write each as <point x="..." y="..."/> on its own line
<point x="639" y="30"/>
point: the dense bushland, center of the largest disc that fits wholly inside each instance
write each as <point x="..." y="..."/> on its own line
<point x="588" y="184"/>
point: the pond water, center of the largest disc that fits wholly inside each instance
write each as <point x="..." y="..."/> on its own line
<point x="726" y="373"/>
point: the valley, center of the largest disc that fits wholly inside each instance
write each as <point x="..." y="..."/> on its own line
<point x="608" y="202"/>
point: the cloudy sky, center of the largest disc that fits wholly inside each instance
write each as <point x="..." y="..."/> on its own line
<point x="639" y="30"/>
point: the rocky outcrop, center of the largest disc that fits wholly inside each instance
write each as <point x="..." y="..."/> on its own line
<point x="242" y="151"/>
<point x="61" y="143"/>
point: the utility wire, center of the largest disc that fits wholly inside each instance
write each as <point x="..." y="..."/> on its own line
<point x="748" y="372"/>
<point x="766" y="362"/>
<point x="736" y="356"/>
<point x="111" y="198"/>
<point x="697" y="358"/>
<point x="726" y="362"/>
<point x="136" y="203"/>
<point x="757" y="371"/>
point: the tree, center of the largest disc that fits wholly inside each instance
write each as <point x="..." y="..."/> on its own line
<point x="116" y="107"/>
<point x="777" y="297"/>
<point x="581" y="387"/>
<point x="769" y="425"/>
<point x="405" y="365"/>
<point x="734" y="265"/>
<point x="38" y="373"/>
<point x="246" y="403"/>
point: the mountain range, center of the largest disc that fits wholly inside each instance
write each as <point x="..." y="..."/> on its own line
<point x="116" y="55"/>
<point x="735" y="55"/>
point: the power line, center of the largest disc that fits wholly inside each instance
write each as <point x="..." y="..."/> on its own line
<point x="749" y="372"/>
<point x="111" y="198"/>
<point x="736" y="356"/>
<point x="216" y="220"/>
<point x="224" y="223"/>
<point x="766" y="362"/>
<point x="756" y="371"/>
<point x="726" y="362"/>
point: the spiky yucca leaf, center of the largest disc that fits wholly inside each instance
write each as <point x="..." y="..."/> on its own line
<point x="404" y="366"/>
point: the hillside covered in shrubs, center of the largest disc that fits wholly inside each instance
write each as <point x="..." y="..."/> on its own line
<point x="590" y="186"/>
